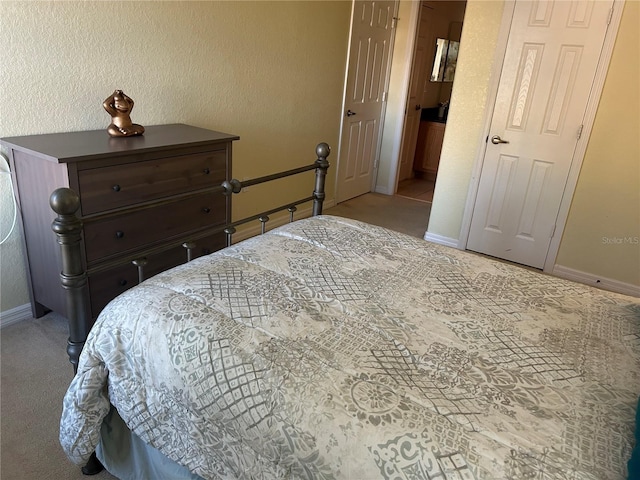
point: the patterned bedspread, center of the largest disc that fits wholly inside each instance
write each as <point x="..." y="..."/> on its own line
<point x="331" y="348"/>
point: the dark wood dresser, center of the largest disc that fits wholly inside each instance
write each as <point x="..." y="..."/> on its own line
<point x="140" y="197"/>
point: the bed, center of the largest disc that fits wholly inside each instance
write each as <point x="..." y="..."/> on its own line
<point x="331" y="348"/>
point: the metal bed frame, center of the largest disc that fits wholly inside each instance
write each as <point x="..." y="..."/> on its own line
<point x="68" y="229"/>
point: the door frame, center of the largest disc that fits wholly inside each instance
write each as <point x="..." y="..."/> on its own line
<point x="383" y="111"/>
<point x="581" y="146"/>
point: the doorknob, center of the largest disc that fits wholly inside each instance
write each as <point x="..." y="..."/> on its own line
<point x="496" y="140"/>
<point x="349" y="113"/>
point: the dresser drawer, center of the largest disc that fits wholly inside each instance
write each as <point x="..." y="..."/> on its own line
<point x="106" y="285"/>
<point x="117" y="186"/>
<point x="116" y="234"/>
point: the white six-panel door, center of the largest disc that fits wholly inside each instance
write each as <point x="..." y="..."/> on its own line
<point x="549" y="68"/>
<point x="369" y="60"/>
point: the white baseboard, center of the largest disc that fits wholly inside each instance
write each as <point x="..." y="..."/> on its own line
<point x="275" y="222"/>
<point x="15" y="315"/>
<point x="596" y="281"/>
<point x="441" y="239"/>
<point x="382" y="189"/>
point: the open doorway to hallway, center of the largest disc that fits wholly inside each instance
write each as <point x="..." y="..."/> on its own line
<point x="420" y="189"/>
<point x="433" y="66"/>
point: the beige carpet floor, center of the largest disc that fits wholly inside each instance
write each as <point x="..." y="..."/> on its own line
<point x="35" y="371"/>
<point x="397" y="213"/>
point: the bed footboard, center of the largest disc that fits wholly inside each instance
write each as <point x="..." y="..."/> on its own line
<point x="68" y="229"/>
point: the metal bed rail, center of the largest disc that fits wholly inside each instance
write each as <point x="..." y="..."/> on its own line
<point x="68" y="229"/>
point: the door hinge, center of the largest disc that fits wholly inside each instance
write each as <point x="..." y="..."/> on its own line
<point x="553" y="231"/>
<point x="394" y="22"/>
<point x="580" y="128"/>
<point x="610" y="16"/>
<point x="384" y="96"/>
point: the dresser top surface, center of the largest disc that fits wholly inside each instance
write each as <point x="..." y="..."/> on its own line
<point x="77" y="146"/>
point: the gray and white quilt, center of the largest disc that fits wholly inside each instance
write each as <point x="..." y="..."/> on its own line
<point x="331" y="348"/>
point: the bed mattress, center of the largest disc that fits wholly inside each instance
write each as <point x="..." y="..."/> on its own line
<point x="331" y="348"/>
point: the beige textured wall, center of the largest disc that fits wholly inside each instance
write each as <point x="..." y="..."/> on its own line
<point x="602" y="234"/>
<point x="466" y="115"/>
<point x="270" y="72"/>
<point x="606" y="205"/>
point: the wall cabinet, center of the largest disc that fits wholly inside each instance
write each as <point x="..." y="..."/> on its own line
<point x="140" y="197"/>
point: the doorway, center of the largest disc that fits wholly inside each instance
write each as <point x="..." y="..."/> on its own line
<point x="433" y="64"/>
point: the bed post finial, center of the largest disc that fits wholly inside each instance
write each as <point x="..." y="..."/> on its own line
<point x="68" y="228"/>
<point x="322" y="165"/>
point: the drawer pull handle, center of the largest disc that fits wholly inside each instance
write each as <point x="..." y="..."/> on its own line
<point x="116" y="188"/>
<point x="207" y="171"/>
<point x="206" y="210"/>
<point x="122" y="282"/>
<point x="119" y="234"/>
